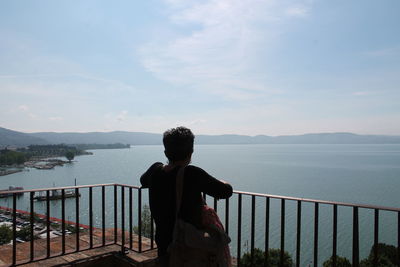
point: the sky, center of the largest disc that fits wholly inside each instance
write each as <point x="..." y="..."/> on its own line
<point x="273" y="67"/>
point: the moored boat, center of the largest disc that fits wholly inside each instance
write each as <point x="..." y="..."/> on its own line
<point x="4" y="192"/>
<point x="56" y="194"/>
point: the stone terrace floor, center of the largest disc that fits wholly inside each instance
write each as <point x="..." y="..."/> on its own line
<point x="109" y="255"/>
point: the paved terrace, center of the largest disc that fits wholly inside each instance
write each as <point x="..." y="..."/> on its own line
<point x="109" y="255"/>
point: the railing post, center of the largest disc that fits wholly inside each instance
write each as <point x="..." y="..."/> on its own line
<point x="355" y="238"/>
<point x="316" y="218"/>
<point x="115" y="215"/>
<point x="253" y="219"/>
<point x="123" y="219"/>
<point x="77" y="229"/>
<point x="334" y="236"/>
<point x="63" y="221"/>
<point x="298" y="241"/>
<point x="140" y="219"/>
<point x="32" y="223"/>
<point x="14" y="229"/>
<point x="239" y="232"/>
<point x="130" y="218"/>
<point x="48" y="223"/>
<point x="91" y="217"/>
<point x="376" y="236"/>
<point x="103" y="214"/>
<point x="227" y="216"/>
<point x="281" y="258"/>
<point x="266" y="249"/>
<point x="398" y="238"/>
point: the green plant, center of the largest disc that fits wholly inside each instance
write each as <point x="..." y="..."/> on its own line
<point x="273" y="258"/>
<point x="25" y="234"/>
<point x="340" y="262"/>
<point x="387" y="256"/>
<point x="70" y="155"/>
<point x="55" y="226"/>
<point x="5" y="234"/>
<point x="8" y="157"/>
<point x="36" y="217"/>
<point x="146" y="222"/>
<point x="72" y="228"/>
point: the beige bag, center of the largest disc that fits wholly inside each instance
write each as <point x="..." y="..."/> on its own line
<point x="192" y="247"/>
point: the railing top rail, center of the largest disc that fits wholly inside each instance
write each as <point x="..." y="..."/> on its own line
<point x="236" y="192"/>
<point x="51" y="188"/>
<point x="64" y="187"/>
<point x="127" y="185"/>
<point x="319" y="201"/>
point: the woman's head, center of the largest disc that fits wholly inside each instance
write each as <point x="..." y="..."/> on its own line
<point x="178" y="144"/>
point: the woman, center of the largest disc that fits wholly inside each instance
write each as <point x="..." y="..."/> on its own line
<point x="161" y="181"/>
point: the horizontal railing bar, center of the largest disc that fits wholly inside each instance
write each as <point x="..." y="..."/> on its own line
<point x="65" y="187"/>
<point x="54" y="188"/>
<point x="127" y="185"/>
<point x="236" y="192"/>
<point x="318" y="201"/>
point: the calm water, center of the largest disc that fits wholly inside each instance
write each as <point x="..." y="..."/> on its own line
<point x="368" y="174"/>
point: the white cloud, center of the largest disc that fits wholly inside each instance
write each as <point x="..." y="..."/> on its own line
<point x="298" y="11"/>
<point x="361" y="93"/>
<point x="25" y="110"/>
<point x="23" y="107"/>
<point x="56" y="118"/>
<point x="32" y="116"/>
<point x="197" y="121"/>
<point x="75" y="100"/>
<point x="223" y="52"/>
<point x="122" y="115"/>
<point x="22" y="55"/>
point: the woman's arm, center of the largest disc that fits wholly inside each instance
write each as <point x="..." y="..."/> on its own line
<point x="208" y="184"/>
<point x="145" y="179"/>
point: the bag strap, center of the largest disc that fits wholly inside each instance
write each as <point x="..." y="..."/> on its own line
<point x="179" y="189"/>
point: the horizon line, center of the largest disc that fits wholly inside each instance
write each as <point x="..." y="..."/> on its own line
<point x="201" y="134"/>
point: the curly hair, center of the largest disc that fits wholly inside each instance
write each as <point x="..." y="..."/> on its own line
<point x="178" y="143"/>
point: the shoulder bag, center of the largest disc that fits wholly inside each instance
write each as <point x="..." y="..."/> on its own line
<point x="207" y="247"/>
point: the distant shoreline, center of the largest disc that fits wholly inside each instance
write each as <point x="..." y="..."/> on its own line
<point x="124" y="139"/>
<point x="7" y="172"/>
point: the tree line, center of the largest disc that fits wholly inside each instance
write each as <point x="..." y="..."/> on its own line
<point x="387" y="257"/>
<point x="11" y="157"/>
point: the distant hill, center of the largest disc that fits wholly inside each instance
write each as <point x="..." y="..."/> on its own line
<point x="140" y="138"/>
<point x="8" y="137"/>
<point x="133" y="138"/>
<point x="14" y="138"/>
<point x="315" y="138"/>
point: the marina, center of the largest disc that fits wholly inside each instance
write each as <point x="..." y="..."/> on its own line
<point x="56" y="195"/>
<point x="40" y="224"/>
<point x="3" y="192"/>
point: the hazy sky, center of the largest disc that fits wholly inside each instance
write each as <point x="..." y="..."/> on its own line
<point x="217" y="66"/>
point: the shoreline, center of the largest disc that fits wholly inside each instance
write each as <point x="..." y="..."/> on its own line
<point x="7" y="172"/>
<point x="45" y="163"/>
<point x="43" y="216"/>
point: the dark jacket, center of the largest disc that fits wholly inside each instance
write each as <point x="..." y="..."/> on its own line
<point x="162" y="196"/>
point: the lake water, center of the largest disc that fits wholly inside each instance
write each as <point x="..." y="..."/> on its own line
<point x="368" y="174"/>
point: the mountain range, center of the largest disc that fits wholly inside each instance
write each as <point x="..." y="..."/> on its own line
<point x="20" y="139"/>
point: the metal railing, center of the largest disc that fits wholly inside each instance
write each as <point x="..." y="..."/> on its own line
<point x="122" y="225"/>
<point x="355" y="260"/>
